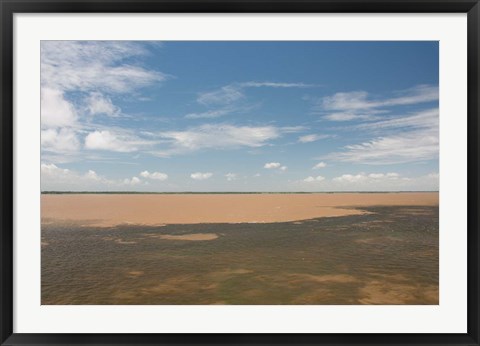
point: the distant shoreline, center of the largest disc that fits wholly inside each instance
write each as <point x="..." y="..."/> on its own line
<point x="156" y="209"/>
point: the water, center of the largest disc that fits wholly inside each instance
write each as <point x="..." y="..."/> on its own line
<point x="387" y="257"/>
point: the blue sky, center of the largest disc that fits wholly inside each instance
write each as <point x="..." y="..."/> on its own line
<point x="239" y="116"/>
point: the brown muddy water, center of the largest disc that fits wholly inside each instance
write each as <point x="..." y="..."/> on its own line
<point x="387" y="256"/>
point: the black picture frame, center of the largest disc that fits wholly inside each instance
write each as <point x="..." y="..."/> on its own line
<point x="10" y="7"/>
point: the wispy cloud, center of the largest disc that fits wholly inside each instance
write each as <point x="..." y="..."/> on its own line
<point x="312" y="138"/>
<point x="226" y="99"/>
<point x="225" y="95"/>
<point x="414" y="138"/>
<point x="208" y="114"/>
<point x="412" y="146"/>
<point x="219" y="136"/>
<point x="360" y="105"/>
<point x="95" y="65"/>
<point x="111" y="141"/>
<point x="428" y="119"/>
<point x="362" y="116"/>
<point x="222" y="111"/>
<point x="360" y="100"/>
<point x="274" y="85"/>
<point x="234" y="92"/>
<point x="292" y="129"/>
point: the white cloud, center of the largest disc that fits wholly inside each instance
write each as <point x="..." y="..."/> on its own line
<point x="350" y="178"/>
<point x="222" y="110"/>
<point x="363" y="177"/>
<point x="311" y="179"/>
<point x="428" y="119"/>
<point x="413" y="138"/>
<point x="231" y="176"/>
<point x="225" y="95"/>
<point x="413" y="146"/>
<point x="418" y="94"/>
<point x="358" y="105"/>
<point x="320" y="165"/>
<point x="275" y="165"/>
<point x="52" y="170"/>
<point x="89" y="72"/>
<point x="95" y="65"/>
<point x="347" y="101"/>
<point x="368" y="182"/>
<point x="92" y="175"/>
<point x="274" y="85"/>
<point x="291" y="129"/>
<point x="272" y="165"/>
<point x="56" y="111"/>
<point x="54" y="178"/>
<point x="231" y="93"/>
<point x="201" y="176"/>
<point x="217" y="136"/>
<point x="106" y="140"/>
<point x="134" y="181"/>
<point x="208" y="114"/>
<point x="59" y="140"/>
<point x="96" y="103"/>
<point x="383" y="182"/>
<point x="154" y="175"/>
<point x="312" y="138"/>
<point x="360" y="100"/>
<point x="342" y="116"/>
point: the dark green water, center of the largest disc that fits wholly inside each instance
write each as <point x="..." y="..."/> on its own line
<point x="387" y="257"/>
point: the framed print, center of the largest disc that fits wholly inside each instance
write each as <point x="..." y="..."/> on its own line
<point x="239" y="172"/>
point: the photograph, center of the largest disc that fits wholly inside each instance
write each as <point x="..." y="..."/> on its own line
<point x="239" y="172"/>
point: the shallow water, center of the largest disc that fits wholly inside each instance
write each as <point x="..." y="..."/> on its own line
<point x="387" y="257"/>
